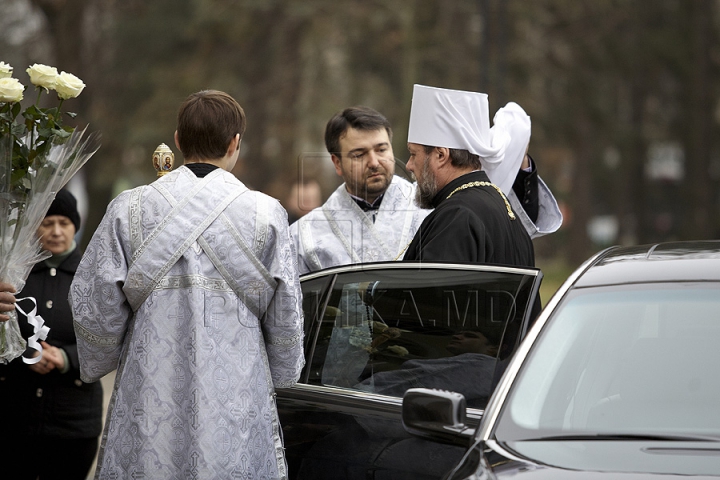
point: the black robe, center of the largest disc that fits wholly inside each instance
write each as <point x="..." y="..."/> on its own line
<point x="472" y="226"/>
<point x="55" y="405"/>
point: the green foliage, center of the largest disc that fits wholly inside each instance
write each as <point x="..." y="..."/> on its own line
<point x="596" y="76"/>
<point x="555" y="272"/>
<point x="30" y="134"/>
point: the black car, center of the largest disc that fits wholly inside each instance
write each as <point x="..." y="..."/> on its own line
<point x="617" y="379"/>
<point x="374" y="330"/>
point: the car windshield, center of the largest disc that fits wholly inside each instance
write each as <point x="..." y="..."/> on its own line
<point x="622" y="361"/>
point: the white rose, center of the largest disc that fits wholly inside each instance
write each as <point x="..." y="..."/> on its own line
<point x="43" y="76"/>
<point x="68" y="85"/>
<point x="5" y="70"/>
<point x="11" y="90"/>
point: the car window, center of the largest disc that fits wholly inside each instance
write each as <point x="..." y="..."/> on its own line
<point x="384" y="331"/>
<point x="622" y="360"/>
<point x="313" y="305"/>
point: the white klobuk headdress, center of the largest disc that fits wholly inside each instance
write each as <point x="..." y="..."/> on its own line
<point x="461" y="120"/>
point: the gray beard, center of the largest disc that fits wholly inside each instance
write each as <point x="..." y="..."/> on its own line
<point x="427" y="188"/>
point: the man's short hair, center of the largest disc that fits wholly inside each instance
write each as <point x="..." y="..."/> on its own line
<point x="460" y="158"/>
<point x="359" y="118"/>
<point x="207" y="122"/>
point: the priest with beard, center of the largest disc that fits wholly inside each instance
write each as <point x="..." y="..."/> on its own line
<point x="451" y="148"/>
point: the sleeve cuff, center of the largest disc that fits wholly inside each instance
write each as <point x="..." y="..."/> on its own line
<point x="65" y="368"/>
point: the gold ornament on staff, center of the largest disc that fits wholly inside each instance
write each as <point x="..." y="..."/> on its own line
<point x="163" y="159"/>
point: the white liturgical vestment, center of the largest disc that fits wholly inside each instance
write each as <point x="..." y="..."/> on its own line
<point x="549" y="216"/>
<point x="340" y="233"/>
<point x="189" y="288"/>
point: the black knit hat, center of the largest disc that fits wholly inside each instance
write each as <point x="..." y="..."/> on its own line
<point x="66" y="205"/>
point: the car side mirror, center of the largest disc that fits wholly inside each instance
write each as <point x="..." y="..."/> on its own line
<point x="436" y="415"/>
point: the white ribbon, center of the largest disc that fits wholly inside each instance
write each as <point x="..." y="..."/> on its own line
<point x="40" y="330"/>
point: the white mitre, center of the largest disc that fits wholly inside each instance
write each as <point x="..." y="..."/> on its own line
<point x="457" y="119"/>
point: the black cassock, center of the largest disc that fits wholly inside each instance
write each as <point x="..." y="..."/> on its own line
<point x="471" y="225"/>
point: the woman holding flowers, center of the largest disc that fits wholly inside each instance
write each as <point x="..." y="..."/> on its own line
<point x="38" y="155"/>
<point x="53" y="419"/>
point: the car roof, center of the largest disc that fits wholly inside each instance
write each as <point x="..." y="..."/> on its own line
<point x="661" y="262"/>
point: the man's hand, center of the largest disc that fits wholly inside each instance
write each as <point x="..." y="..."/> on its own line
<point x="526" y="160"/>
<point x="7" y="300"/>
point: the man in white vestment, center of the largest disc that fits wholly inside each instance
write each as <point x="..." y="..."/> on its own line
<point x="373" y="216"/>
<point x="369" y="218"/>
<point x="189" y="288"/>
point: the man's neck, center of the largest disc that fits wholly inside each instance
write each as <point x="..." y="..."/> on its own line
<point x="453" y="174"/>
<point x="361" y="200"/>
<point x="369" y="199"/>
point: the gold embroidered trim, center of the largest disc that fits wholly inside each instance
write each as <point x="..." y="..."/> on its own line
<point x="486" y="184"/>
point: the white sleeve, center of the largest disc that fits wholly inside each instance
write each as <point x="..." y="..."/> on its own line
<point x="101" y="312"/>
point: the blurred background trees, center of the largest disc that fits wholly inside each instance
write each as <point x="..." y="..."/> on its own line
<point x="623" y="94"/>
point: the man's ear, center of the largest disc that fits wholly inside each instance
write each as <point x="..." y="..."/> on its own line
<point x="234" y="145"/>
<point x="177" y="143"/>
<point x="443" y="156"/>
<point x="337" y="161"/>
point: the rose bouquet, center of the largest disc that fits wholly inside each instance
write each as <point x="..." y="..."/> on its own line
<point x="38" y="155"/>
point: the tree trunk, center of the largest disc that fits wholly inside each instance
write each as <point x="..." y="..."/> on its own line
<point x="581" y="192"/>
<point x="698" y="224"/>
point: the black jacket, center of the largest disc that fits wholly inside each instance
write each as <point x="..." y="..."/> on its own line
<point x="526" y="189"/>
<point x="471" y="225"/>
<point x="57" y="405"/>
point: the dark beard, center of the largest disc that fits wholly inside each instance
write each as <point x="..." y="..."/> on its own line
<point x="427" y="188"/>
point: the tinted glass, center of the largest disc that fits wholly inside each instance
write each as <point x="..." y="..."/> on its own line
<point x="640" y="359"/>
<point x="389" y="330"/>
<point x="313" y="305"/>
